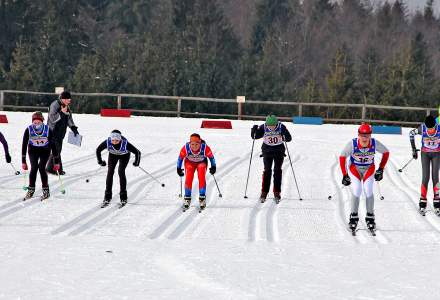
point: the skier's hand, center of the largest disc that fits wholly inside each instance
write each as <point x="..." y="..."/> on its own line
<point x="180" y="172"/>
<point x="254" y="131"/>
<point x="64" y="108"/>
<point x="74" y="130"/>
<point x="24" y="166"/>
<point x="56" y="167"/>
<point x="8" y="158"/>
<point x="346" y="180"/>
<point x="102" y="163"/>
<point x="212" y="169"/>
<point x="415" y="154"/>
<point x="378" y="176"/>
<point x="136" y="164"/>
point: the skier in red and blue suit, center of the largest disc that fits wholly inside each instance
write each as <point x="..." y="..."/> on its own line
<point x="195" y="155"/>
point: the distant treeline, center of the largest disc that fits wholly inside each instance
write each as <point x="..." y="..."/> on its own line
<point x="279" y="50"/>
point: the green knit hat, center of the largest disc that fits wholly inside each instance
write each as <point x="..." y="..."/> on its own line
<point x="271" y="120"/>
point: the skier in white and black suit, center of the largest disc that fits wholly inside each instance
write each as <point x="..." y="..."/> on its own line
<point x="361" y="151"/>
<point x="119" y="151"/>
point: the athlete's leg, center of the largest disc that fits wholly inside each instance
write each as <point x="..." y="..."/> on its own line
<point x="201" y="174"/>
<point x="190" y="168"/>
<point x="356" y="188"/>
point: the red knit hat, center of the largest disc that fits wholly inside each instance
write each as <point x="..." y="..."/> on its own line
<point x="38" y="115"/>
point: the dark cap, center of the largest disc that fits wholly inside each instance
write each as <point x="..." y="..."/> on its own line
<point x="65" y="95"/>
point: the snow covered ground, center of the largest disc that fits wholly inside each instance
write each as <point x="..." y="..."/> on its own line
<point x="69" y="248"/>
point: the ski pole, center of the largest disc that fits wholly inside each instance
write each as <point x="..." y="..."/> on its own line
<point x="94" y="174"/>
<point x="401" y="169"/>
<point x="15" y="170"/>
<point x="154" y="178"/>
<point x="293" y="171"/>
<point x="180" y="195"/>
<point x="25" y="187"/>
<point x="378" y="189"/>
<point x="330" y="197"/>
<point x="249" y="169"/>
<point x="62" y="190"/>
<point x="215" y="180"/>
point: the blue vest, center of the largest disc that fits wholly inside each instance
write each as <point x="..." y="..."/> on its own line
<point x="199" y="157"/>
<point x="430" y="143"/>
<point x="39" y="140"/>
<point x="363" y="156"/>
<point x="273" y="137"/>
<point x="122" y="149"/>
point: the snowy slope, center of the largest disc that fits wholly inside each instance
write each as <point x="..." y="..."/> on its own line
<point x="70" y="248"/>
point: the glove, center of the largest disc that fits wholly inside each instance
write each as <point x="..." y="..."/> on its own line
<point x="180" y="172"/>
<point x="74" y="130"/>
<point x="8" y="158"/>
<point x="136" y="163"/>
<point x="414" y="153"/>
<point x="254" y="131"/>
<point x="212" y="170"/>
<point x="56" y="167"/>
<point x="378" y="176"/>
<point x="346" y="180"/>
<point x="102" y="163"/>
<point x="24" y="166"/>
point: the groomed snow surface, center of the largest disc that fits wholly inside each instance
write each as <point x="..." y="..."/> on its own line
<point x="70" y="248"/>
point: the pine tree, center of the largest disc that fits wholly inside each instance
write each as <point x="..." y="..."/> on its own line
<point x="274" y="59"/>
<point x="206" y="53"/>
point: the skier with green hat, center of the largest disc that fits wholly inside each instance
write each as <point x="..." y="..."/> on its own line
<point x="274" y="134"/>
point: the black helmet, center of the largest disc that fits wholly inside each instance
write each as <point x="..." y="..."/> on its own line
<point x="430" y="121"/>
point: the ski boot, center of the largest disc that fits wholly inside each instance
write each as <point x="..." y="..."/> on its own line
<point x="29" y="194"/>
<point x="186" y="203"/>
<point x="422" y="205"/>
<point x="352" y="224"/>
<point x="46" y="194"/>
<point x="263" y="197"/>
<point x="436" y="204"/>
<point x="371" y="224"/>
<point x="277" y="197"/>
<point x="202" y="200"/>
<point x="107" y="199"/>
<point x="123" y="197"/>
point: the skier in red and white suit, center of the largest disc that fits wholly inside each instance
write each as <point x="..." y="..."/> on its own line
<point x="195" y="155"/>
<point x="361" y="151"/>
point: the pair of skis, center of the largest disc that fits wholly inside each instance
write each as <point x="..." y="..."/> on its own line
<point x="185" y="208"/>
<point x="371" y="230"/>
<point x="277" y="200"/>
<point x="42" y="198"/>
<point x="422" y="211"/>
<point x="107" y="203"/>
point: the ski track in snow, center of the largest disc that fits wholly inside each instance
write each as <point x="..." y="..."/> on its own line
<point x="237" y="248"/>
<point x="211" y="200"/>
<point x="19" y="204"/>
<point x="342" y="216"/>
<point x="108" y="211"/>
<point x="183" y="220"/>
<point x="112" y="209"/>
<point x="256" y="220"/>
<point x="411" y="194"/>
